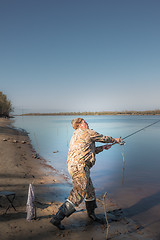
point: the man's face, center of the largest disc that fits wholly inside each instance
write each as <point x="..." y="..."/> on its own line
<point x="84" y="125"/>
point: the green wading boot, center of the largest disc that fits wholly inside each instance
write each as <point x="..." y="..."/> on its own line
<point x="90" y="206"/>
<point x="65" y="210"/>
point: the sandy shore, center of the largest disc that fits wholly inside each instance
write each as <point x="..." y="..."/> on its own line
<point x="18" y="168"/>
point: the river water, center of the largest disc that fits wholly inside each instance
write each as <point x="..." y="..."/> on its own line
<point x="136" y="188"/>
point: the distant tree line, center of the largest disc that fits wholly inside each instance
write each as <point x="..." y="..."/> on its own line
<point x="5" y="106"/>
<point x="149" y="112"/>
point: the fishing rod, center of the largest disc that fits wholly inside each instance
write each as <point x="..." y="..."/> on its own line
<point x="140" y="129"/>
<point x="123" y="142"/>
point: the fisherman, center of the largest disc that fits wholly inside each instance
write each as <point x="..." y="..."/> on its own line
<point x="81" y="158"/>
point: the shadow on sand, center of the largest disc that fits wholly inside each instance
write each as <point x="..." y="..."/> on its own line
<point x="143" y="205"/>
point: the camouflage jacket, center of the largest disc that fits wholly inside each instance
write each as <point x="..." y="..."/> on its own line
<point x="82" y="147"/>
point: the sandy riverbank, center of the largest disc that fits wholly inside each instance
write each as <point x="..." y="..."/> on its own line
<point x="18" y="168"/>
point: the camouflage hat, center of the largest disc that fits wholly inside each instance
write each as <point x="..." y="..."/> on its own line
<point x="75" y="122"/>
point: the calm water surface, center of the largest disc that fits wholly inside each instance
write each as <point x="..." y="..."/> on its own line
<point x="137" y="189"/>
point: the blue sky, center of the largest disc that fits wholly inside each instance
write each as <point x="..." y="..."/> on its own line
<point x="80" y="55"/>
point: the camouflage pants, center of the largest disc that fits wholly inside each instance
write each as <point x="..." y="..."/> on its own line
<point x="82" y="184"/>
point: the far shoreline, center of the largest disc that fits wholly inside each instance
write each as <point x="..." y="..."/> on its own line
<point x="109" y="113"/>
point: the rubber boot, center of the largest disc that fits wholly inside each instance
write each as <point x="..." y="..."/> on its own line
<point x="90" y="206"/>
<point x="65" y="210"/>
<point x="56" y="220"/>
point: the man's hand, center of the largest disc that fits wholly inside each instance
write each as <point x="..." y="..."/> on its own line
<point x="118" y="140"/>
<point x="107" y="146"/>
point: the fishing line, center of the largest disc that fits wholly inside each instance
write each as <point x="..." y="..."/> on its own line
<point x="123" y="165"/>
